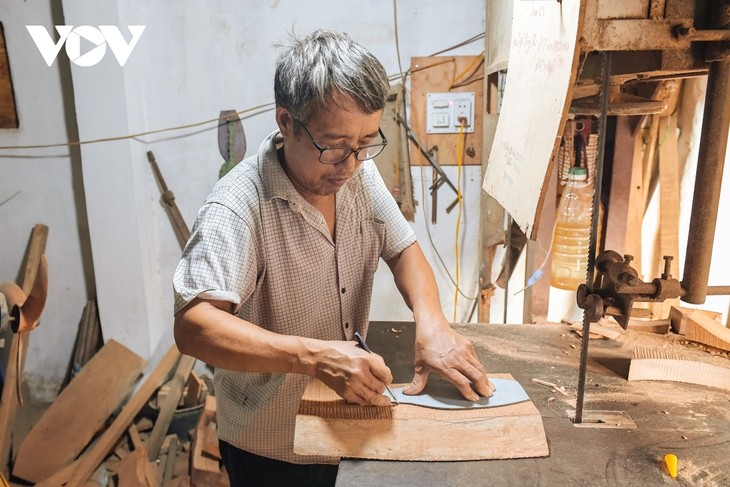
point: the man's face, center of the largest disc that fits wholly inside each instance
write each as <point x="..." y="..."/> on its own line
<point x="341" y="124"/>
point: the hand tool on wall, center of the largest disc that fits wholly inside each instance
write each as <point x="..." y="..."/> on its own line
<point x="231" y="140"/>
<point x="182" y="232"/>
<point x="442" y="177"/>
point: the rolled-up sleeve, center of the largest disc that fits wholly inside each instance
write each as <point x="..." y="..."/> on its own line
<point x="219" y="260"/>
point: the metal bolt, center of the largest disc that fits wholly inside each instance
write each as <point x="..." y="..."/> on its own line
<point x="667" y="267"/>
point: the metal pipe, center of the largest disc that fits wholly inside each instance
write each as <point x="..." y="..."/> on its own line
<point x="711" y="159"/>
<point x="718" y="290"/>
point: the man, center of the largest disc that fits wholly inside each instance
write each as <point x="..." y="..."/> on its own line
<point x="277" y="275"/>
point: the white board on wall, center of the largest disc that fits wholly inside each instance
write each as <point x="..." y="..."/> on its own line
<point x="540" y="75"/>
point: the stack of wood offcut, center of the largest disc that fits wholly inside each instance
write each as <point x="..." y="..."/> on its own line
<point x="102" y="431"/>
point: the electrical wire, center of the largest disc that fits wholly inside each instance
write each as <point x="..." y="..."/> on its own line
<point x="459" y="160"/>
<point x="478" y="61"/>
<point x="263" y="108"/>
<point x="538" y="272"/>
<point x="397" y="44"/>
<point x="433" y="245"/>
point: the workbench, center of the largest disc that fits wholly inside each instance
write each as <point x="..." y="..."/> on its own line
<point x="691" y="421"/>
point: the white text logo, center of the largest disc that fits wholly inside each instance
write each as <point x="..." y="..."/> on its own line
<point x="98" y="38"/>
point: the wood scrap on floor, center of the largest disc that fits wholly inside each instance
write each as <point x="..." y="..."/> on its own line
<point x="122" y="447"/>
<point x="78" y="413"/>
<point x="605" y="328"/>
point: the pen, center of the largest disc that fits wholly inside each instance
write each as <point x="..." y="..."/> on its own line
<point x="364" y="346"/>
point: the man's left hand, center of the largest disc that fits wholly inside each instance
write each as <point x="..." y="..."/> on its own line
<point x="442" y="350"/>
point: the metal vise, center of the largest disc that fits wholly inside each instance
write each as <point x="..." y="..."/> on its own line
<point x="618" y="286"/>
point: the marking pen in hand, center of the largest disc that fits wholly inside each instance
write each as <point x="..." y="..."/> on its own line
<point x="364" y="346"/>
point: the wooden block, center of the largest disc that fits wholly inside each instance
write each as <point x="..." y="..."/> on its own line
<point x="327" y="425"/>
<point x="203" y="469"/>
<point x="598" y="329"/>
<point x="168" y="407"/>
<point x="660" y="326"/>
<point x="182" y="481"/>
<point x="692" y="368"/>
<point x="210" y="441"/>
<point x="678" y="317"/>
<point x="702" y="328"/>
<point x="131" y="472"/>
<point x="195" y="387"/>
<point x="78" y="413"/>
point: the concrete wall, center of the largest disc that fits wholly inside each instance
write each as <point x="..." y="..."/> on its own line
<point x="193" y="60"/>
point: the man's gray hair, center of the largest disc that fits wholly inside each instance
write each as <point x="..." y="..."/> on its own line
<point x="312" y="69"/>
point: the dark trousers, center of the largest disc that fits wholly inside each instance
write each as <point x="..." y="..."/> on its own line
<point x="248" y="470"/>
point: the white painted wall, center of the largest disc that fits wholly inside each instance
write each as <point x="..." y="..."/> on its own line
<point x="45" y="179"/>
<point x="193" y="60"/>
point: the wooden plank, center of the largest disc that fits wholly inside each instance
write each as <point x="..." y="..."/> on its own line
<point x="195" y="388"/>
<point x="11" y="398"/>
<point x="656" y="364"/>
<point x="617" y="227"/>
<point x="660" y="326"/>
<point x="106" y="442"/>
<point x="635" y="205"/>
<point x="170" y="463"/>
<point x="435" y="74"/>
<point x="678" y="317"/>
<point x="168" y="407"/>
<point x="668" y="208"/>
<point x="131" y="472"/>
<point x="394" y="162"/>
<point x="702" y="328"/>
<point x="8" y="113"/>
<point x="78" y="413"/>
<point x="327" y="425"/>
<point x="203" y="469"/>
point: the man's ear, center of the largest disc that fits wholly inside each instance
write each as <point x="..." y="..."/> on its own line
<point x="285" y="122"/>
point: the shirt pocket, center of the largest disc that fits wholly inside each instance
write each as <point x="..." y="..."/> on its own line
<point x="372" y="240"/>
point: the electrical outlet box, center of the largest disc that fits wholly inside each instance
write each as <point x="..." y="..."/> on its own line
<point x="445" y="112"/>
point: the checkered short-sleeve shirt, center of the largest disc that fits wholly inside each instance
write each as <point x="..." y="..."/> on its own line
<point x="259" y="245"/>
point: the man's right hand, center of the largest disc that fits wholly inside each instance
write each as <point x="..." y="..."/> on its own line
<point x="355" y="375"/>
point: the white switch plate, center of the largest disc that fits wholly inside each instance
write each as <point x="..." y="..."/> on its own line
<point x="444" y="110"/>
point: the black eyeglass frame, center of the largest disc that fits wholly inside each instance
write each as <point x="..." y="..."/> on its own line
<point x="357" y="151"/>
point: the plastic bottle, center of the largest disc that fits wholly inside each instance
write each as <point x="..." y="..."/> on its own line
<point x="571" y="239"/>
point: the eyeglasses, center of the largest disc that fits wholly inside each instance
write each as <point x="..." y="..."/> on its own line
<point x="335" y="155"/>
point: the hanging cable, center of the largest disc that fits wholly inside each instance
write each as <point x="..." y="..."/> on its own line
<point x="459" y="161"/>
<point x="264" y="107"/>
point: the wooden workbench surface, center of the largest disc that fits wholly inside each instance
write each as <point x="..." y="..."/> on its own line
<point x="690" y="421"/>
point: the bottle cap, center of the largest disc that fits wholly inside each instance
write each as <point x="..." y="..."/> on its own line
<point x="577" y="174"/>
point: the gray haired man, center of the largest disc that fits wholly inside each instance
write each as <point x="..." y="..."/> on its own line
<point x="277" y="275"/>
